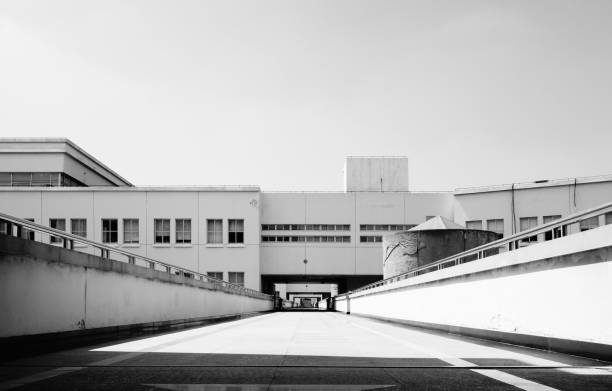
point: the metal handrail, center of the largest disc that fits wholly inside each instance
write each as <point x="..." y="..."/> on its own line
<point x="105" y="250"/>
<point x="513" y="242"/>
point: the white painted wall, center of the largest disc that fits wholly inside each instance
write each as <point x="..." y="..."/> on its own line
<point x="538" y="202"/>
<point x="568" y="303"/>
<point x="354" y="258"/>
<point x="97" y="204"/>
<point x="65" y="297"/>
<point x="255" y="258"/>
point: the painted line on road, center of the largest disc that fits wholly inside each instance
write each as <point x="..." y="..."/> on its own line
<point x="515" y="381"/>
<point x="495" y="374"/>
<point x="454" y="361"/>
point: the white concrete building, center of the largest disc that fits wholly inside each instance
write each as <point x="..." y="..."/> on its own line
<point x="258" y="238"/>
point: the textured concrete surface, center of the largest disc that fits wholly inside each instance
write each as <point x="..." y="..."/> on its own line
<point x="305" y="351"/>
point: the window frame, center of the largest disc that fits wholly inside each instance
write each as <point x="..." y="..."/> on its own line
<point x="217" y="240"/>
<point x="181" y="230"/>
<point x="234" y="235"/>
<point x="128" y="233"/>
<point x="215" y="275"/>
<point x="496" y="222"/>
<point x="162" y="232"/>
<point x="236" y="274"/>
<point x="76" y="232"/>
<point x="57" y="239"/>
<point x="530" y="239"/>
<point x="110" y="231"/>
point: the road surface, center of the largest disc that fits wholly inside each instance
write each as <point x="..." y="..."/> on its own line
<point x="304" y="351"/>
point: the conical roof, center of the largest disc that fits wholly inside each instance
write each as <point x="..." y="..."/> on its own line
<point x="437" y="222"/>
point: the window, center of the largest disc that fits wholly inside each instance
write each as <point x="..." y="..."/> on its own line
<point x="130" y="231"/>
<point x="214" y="231"/>
<point x="57" y="224"/>
<point x="369" y="239"/>
<point x="216" y="275"/>
<point x="235" y="231"/>
<point x="548" y="235"/>
<point x="78" y="227"/>
<point x="162" y="231"/>
<point x="109" y="231"/>
<point x="528" y="223"/>
<point x="22" y="179"/>
<point x="27" y="233"/>
<point x="496" y="225"/>
<point x="5" y="179"/>
<point x="4" y="227"/>
<point x="40" y="179"/>
<point x="608" y="218"/>
<point x="590" y="223"/>
<point x="473" y="224"/>
<point x="236" y="278"/>
<point x="183" y="231"/>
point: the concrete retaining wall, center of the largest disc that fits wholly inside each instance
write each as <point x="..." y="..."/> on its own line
<point x="555" y="292"/>
<point x="46" y="289"/>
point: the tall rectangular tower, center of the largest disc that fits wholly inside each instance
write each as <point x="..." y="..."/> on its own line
<point x="376" y="174"/>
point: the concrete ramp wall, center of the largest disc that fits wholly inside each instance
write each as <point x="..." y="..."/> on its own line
<point x="46" y="289"/>
<point x="553" y="295"/>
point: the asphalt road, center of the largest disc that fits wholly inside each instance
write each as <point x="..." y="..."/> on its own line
<point x="305" y="351"/>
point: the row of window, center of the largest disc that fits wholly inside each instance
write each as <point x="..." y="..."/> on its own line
<point x="305" y="227"/>
<point x="307" y="239"/>
<point x="386" y="227"/>
<point x="161" y="230"/>
<point x="525" y="223"/>
<point x="44" y="179"/>
<point x="495" y="225"/>
<point x="232" y="277"/>
<point x="370" y="239"/>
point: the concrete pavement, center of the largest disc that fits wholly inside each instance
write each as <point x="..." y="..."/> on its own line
<point x="305" y="351"/>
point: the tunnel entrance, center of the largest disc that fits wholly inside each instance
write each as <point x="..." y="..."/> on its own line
<point x="325" y="285"/>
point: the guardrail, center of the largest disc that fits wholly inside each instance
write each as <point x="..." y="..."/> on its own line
<point x="550" y="231"/>
<point x="17" y="227"/>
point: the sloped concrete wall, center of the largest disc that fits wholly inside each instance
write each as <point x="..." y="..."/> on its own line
<point x="559" y="289"/>
<point x="46" y="289"/>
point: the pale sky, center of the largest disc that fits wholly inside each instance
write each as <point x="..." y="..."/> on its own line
<point x="277" y="93"/>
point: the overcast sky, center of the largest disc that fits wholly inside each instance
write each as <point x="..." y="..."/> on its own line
<point x="277" y="93"/>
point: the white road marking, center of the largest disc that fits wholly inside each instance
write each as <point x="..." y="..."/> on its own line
<point x="515" y="381"/>
<point x="587" y="371"/>
<point x="504" y="377"/>
<point x="454" y="361"/>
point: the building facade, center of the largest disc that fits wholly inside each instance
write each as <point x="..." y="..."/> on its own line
<point x="257" y="238"/>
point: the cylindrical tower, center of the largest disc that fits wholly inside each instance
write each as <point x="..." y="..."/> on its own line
<point x="431" y="241"/>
